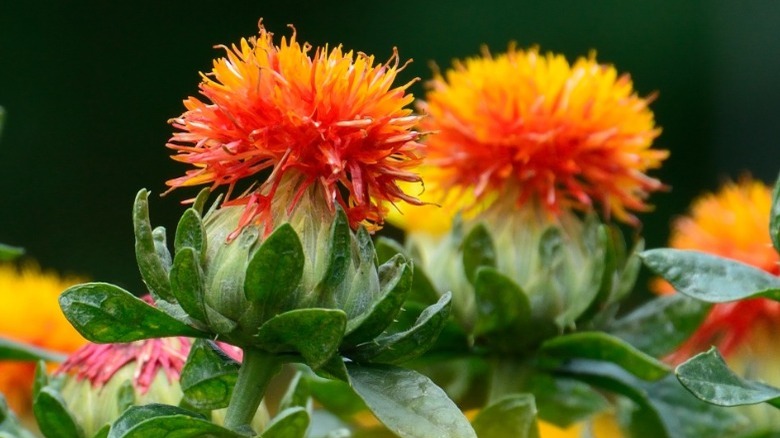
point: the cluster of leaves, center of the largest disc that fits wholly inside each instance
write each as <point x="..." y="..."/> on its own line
<point x="566" y="377"/>
<point x="361" y="350"/>
<point x="713" y="279"/>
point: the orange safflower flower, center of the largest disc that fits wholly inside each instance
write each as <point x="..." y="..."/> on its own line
<point x="731" y="223"/>
<point x="31" y="314"/>
<point x="528" y="126"/>
<point x="332" y="119"/>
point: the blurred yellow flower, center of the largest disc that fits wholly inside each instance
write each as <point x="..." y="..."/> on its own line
<point x="31" y="314"/>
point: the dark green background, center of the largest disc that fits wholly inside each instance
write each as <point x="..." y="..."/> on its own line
<point x="88" y="88"/>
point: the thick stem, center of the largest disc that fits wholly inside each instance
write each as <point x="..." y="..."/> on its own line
<point x="256" y="371"/>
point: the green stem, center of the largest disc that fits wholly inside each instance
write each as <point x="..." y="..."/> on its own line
<point x="256" y="371"/>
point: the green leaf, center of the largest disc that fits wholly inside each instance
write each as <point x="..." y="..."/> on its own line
<point x="162" y="421"/>
<point x="510" y="416"/>
<point x="710" y="278"/>
<point x="774" y="216"/>
<point x="199" y="204"/>
<point x="339" y="254"/>
<point x="660" y="325"/>
<point x="41" y="379"/>
<point x="104" y="313"/>
<point x="314" y="333"/>
<point x="297" y="393"/>
<point x="190" y="233"/>
<point x="395" y="279"/>
<point x="125" y="397"/>
<point x="53" y="416"/>
<point x="422" y="289"/>
<point x="564" y="401"/>
<point x="208" y="377"/>
<point x="188" y="283"/>
<point x="411" y="343"/>
<point x="478" y="250"/>
<point x="10" y="426"/>
<point x="275" y="270"/>
<point x="103" y="432"/>
<point x="289" y="423"/>
<point x="707" y="376"/>
<point x="503" y="310"/>
<point x="408" y="403"/>
<point x="604" y="347"/>
<point x="153" y="270"/>
<point x="387" y="248"/>
<point x="665" y="408"/>
<point x="336" y="396"/>
<point x="12" y="350"/>
<point x="8" y="252"/>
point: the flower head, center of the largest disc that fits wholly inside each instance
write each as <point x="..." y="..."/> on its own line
<point x="96" y="373"/>
<point x="330" y="119"/>
<point x="31" y="314"/>
<point x="731" y="223"/>
<point x="525" y="126"/>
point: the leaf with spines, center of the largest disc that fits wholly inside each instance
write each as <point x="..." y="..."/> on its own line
<point x="774" y="216"/>
<point x="104" y="313"/>
<point x="478" y="250"/>
<point x="275" y="270"/>
<point x="208" y="377"/>
<point x="408" y="344"/>
<point x="604" y="347"/>
<point x="710" y="278"/>
<point x="314" y="333"/>
<point x="510" y="416"/>
<point x="395" y="278"/>
<point x="339" y="256"/>
<point x="707" y="376"/>
<point x="153" y="270"/>
<point x="162" y="421"/>
<point x="408" y="403"/>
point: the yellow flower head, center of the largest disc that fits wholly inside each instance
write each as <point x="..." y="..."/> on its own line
<point x="31" y="314"/>
<point x="329" y="119"/>
<point x="731" y="223"/>
<point x="525" y="126"/>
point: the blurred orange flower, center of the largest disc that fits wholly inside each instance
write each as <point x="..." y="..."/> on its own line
<point x="332" y="119"/>
<point x="731" y="223"/>
<point x="525" y="126"/>
<point x="31" y="314"/>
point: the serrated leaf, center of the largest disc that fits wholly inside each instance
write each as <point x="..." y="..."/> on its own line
<point x="162" y="421"/>
<point x="153" y="270"/>
<point x="478" y="250"/>
<point x="710" y="278"/>
<point x="53" y="416"/>
<point x="707" y="376"/>
<point x="408" y="403"/>
<point x="104" y="313"/>
<point x="208" y="377"/>
<point x="188" y="283"/>
<point x="410" y="343"/>
<point x="503" y="310"/>
<point x="8" y="252"/>
<point x="289" y="423"/>
<point x="604" y="347"/>
<point x="190" y="233"/>
<point x="510" y="416"/>
<point x="13" y="350"/>
<point x="660" y="325"/>
<point x="314" y="333"/>
<point x="275" y="270"/>
<point x="395" y="279"/>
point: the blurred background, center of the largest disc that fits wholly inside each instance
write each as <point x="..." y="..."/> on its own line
<point x="88" y="88"/>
